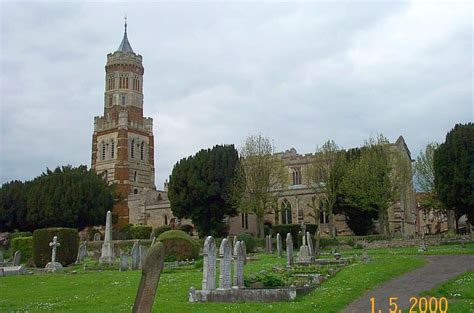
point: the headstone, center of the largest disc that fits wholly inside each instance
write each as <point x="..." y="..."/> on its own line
<point x="317" y="243"/>
<point x="142" y="251"/>
<point x="209" y="264"/>
<point x="225" y="268"/>
<point x="135" y="255"/>
<point x="152" y="267"/>
<point x="153" y="240"/>
<point x="279" y="245"/>
<point x="238" y="265"/>
<point x="289" y="250"/>
<point x="270" y="244"/>
<point x="304" y="257"/>
<point x="53" y="266"/>
<point x="123" y="261"/>
<point x="365" y="257"/>
<point x="107" y="254"/>
<point x="244" y="250"/>
<point x="17" y="256"/>
<point x="81" y="252"/>
<point x="97" y="237"/>
<point x="310" y="243"/>
<point x="234" y="242"/>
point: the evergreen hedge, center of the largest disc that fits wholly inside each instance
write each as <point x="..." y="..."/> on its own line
<point x="18" y="234"/>
<point x="158" y="231"/>
<point x="66" y="253"/>
<point x="179" y="245"/>
<point x="140" y="231"/>
<point x="24" y="245"/>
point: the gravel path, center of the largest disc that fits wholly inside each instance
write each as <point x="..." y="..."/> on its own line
<point x="438" y="270"/>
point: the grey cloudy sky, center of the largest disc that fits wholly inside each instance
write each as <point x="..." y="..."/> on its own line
<point x="299" y="73"/>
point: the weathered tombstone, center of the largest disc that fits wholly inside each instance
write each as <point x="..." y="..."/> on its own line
<point x="304" y="257"/>
<point x="97" y="237"/>
<point x="270" y="244"/>
<point x="123" y="261"/>
<point x="310" y="243"/>
<point x="135" y="255"/>
<point x="238" y="265"/>
<point x="153" y="240"/>
<point x="107" y="254"/>
<point x="244" y="250"/>
<point x="151" y="272"/>
<point x="234" y="242"/>
<point x="17" y="257"/>
<point x="225" y="268"/>
<point x="279" y="245"/>
<point x="53" y="266"/>
<point x="289" y="250"/>
<point x="209" y="264"/>
<point x="142" y="251"/>
<point x="81" y="252"/>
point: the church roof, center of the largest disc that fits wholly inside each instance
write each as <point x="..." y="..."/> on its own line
<point x="125" y="45"/>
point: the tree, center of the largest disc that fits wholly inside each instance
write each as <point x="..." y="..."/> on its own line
<point x="200" y="186"/>
<point x="13" y="208"/>
<point x="325" y="175"/>
<point x="262" y="175"/>
<point x="454" y="171"/>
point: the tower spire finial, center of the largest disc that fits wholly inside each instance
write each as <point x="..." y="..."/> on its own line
<point x="125" y="22"/>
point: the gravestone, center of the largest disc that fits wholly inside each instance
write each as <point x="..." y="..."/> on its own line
<point x="238" y="265"/>
<point x="209" y="264"/>
<point x="225" y="267"/>
<point x="152" y="267"/>
<point x="365" y="257"/>
<point x="153" y="240"/>
<point x="244" y="250"/>
<point x="97" y="237"/>
<point x="270" y="244"/>
<point x="17" y="257"/>
<point x="53" y="266"/>
<point x="123" y="262"/>
<point x="310" y="243"/>
<point x="135" y="255"/>
<point x="81" y="252"/>
<point x="317" y="243"/>
<point x="142" y="251"/>
<point x="107" y="253"/>
<point x="234" y="242"/>
<point x="289" y="250"/>
<point x="279" y="245"/>
<point x="304" y="257"/>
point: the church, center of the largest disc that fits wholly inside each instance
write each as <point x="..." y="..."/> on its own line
<point x="123" y="152"/>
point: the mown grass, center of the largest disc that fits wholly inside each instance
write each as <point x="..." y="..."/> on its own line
<point x="113" y="291"/>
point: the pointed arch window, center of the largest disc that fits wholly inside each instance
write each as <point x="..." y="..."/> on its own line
<point x="132" y="149"/>
<point x="102" y="147"/>
<point x="286" y="217"/>
<point x="296" y="176"/>
<point x="112" y="149"/>
<point x="142" y="151"/>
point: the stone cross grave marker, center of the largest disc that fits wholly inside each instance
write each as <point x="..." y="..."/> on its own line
<point x="238" y="265"/>
<point x="97" y="237"/>
<point x="17" y="257"/>
<point x="310" y="243"/>
<point x="152" y="267"/>
<point x="135" y="255"/>
<point x="54" y="266"/>
<point x="209" y="264"/>
<point x="123" y="261"/>
<point x="244" y="251"/>
<point x="289" y="249"/>
<point x="225" y="268"/>
<point x="107" y="254"/>
<point x="279" y="245"/>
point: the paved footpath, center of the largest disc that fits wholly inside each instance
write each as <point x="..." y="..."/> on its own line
<point x="438" y="270"/>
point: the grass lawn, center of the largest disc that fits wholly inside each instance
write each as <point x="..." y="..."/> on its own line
<point x="115" y="291"/>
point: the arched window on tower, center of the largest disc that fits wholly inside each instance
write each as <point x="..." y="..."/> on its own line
<point x="112" y="149"/>
<point x="296" y="172"/>
<point x="102" y="147"/>
<point x="286" y="217"/>
<point x="142" y="151"/>
<point x="132" y="149"/>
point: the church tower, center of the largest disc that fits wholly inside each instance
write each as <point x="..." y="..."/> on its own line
<point x="122" y="143"/>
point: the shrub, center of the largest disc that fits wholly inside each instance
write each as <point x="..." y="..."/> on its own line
<point x="249" y="241"/>
<point x="327" y="242"/>
<point x="140" y="231"/>
<point x="20" y="234"/>
<point x="179" y="245"/>
<point x="24" y="245"/>
<point x="66" y="253"/>
<point x="187" y="229"/>
<point x="158" y="231"/>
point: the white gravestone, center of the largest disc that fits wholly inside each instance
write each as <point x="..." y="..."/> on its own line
<point x="238" y="265"/>
<point x="17" y="258"/>
<point x="209" y="264"/>
<point x="107" y="254"/>
<point x="54" y="266"/>
<point x="279" y="245"/>
<point x="225" y="267"/>
<point x="135" y="255"/>
<point x="310" y="243"/>
<point x="97" y="237"/>
<point x="289" y="250"/>
<point x="142" y="251"/>
<point x="123" y="261"/>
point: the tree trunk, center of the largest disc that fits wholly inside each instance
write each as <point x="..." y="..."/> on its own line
<point x="332" y="232"/>
<point x="260" y="229"/>
<point x="450" y="215"/>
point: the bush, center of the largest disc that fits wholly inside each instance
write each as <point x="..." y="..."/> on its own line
<point x="24" y="245"/>
<point x="66" y="253"/>
<point x="328" y="242"/>
<point x="187" y="229"/>
<point x="158" y="231"/>
<point x="20" y="234"/>
<point x="249" y="241"/>
<point x="140" y="231"/>
<point x="179" y="245"/>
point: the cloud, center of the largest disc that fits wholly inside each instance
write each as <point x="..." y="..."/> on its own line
<point x="300" y="73"/>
